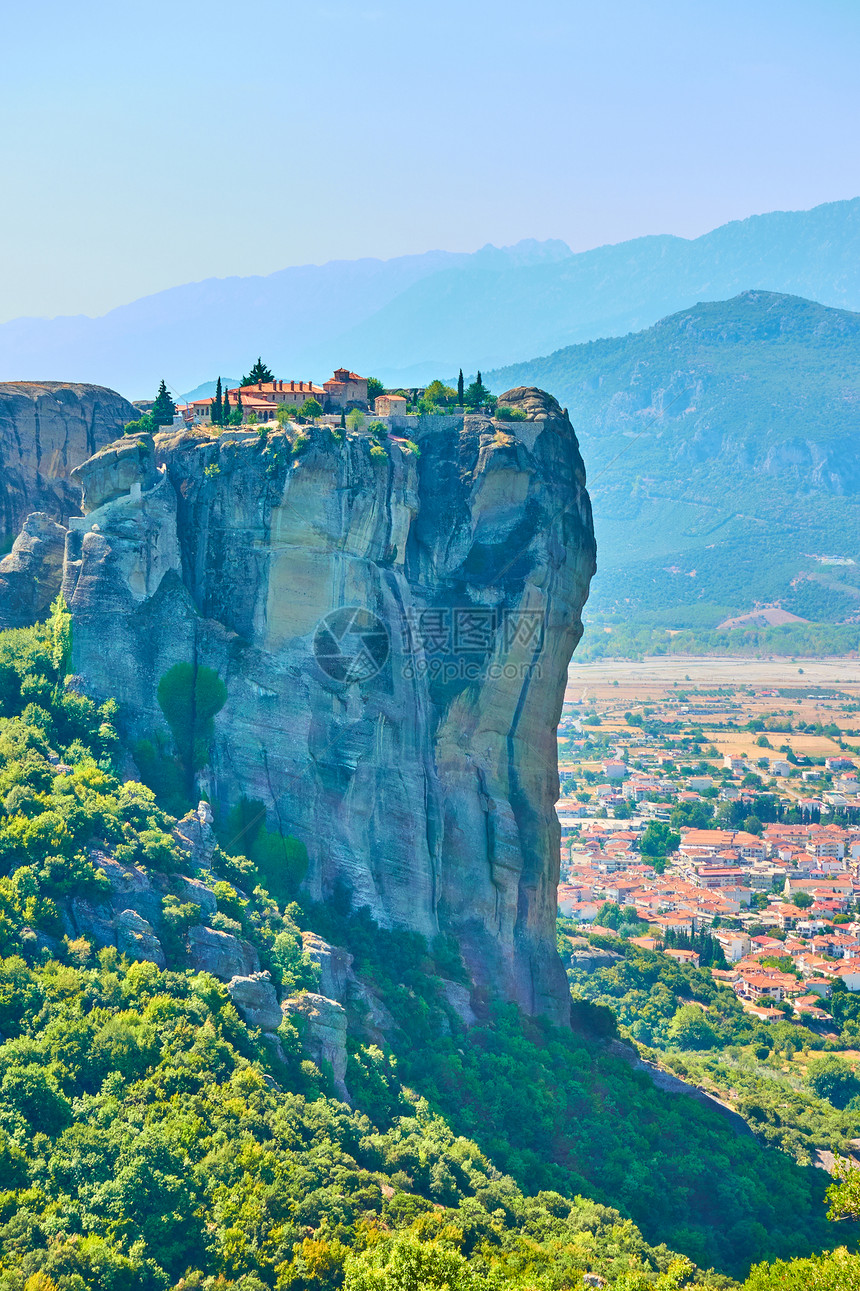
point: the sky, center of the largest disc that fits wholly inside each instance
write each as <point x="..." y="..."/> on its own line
<point x="145" y="145"/>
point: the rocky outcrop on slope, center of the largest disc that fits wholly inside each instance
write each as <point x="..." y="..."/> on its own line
<point x="323" y="1027"/>
<point x="46" y="429"/>
<point x="393" y="629"/>
<point x="32" y="574"/>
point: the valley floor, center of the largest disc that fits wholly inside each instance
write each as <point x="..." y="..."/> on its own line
<point x="704" y="670"/>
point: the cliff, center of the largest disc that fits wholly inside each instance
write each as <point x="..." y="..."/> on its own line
<point x="393" y="630"/>
<point x="46" y="429"/>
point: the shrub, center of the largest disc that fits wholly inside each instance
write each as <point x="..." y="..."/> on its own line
<point x="504" y="413"/>
<point x="831" y="1078"/>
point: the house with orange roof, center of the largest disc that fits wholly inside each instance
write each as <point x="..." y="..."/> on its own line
<point x="684" y="956"/>
<point x="265" y="397"/>
<point x="705" y="841"/>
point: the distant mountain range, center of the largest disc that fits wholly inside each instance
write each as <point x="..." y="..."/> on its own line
<point x="409" y="319"/>
<point x="722" y="452"/>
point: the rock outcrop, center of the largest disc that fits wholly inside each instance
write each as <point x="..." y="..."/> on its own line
<point x="393" y="629"/>
<point x="257" y="1000"/>
<point x="334" y="965"/>
<point x="32" y="574"/>
<point x="221" y="954"/>
<point x="322" y="1026"/>
<point x="46" y="429"/>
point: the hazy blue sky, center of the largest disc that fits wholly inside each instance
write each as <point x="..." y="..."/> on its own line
<point x="149" y="144"/>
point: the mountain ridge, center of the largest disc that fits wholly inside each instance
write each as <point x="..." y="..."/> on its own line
<point x="407" y="320"/>
<point x="720" y="443"/>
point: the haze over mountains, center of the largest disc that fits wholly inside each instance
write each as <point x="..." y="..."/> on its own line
<point x="722" y="458"/>
<point x="412" y="318"/>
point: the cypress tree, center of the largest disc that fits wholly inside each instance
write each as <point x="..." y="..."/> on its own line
<point x="460" y="388"/>
<point x="164" y="408"/>
<point x="237" y="413"/>
<point x="217" y="405"/>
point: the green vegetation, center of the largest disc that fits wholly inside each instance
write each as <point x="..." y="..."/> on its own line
<point x="631" y="641"/>
<point x="374" y="387"/>
<point x="478" y="396"/>
<point x="161" y="414"/>
<point x="438" y="397"/>
<point x="838" y="1271"/>
<point x="164" y="409"/>
<point x="311" y="409"/>
<point x="190" y="696"/>
<point x="658" y="841"/>
<point x="280" y="863"/>
<point x="217" y="410"/>
<point x="700" y="1031"/>
<point x="150" y="1139"/>
<point x="709" y="481"/>
<point x="260" y="373"/>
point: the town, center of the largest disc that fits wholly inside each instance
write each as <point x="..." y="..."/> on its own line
<point x="725" y="810"/>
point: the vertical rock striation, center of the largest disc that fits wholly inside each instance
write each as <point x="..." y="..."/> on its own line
<point x="46" y="429"/>
<point x="393" y="629"/>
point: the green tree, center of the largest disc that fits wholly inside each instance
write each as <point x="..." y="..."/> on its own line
<point x="803" y="900"/>
<point x="437" y="394"/>
<point x="460" y="394"/>
<point x="753" y="825"/>
<point x="832" y="1078"/>
<point x="838" y="1270"/>
<point x="374" y="387"/>
<point x="690" y="1029"/>
<point x="476" y="394"/>
<point x="658" y="839"/>
<point x="407" y="1264"/>
<point x="217" y="405"/>
<point x="311" y="409"/>
<point x="259" y="373"/>
<point x="164" y="409"/>
<point x="355" y="419"/>
<point x="143" y="426"/>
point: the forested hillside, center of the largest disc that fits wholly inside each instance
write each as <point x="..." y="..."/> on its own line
<point x="151" y="1138"/>
<point x="721" y="458"/>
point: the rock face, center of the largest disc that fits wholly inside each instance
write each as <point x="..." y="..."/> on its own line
<point x="221" y="954"/>
<point x="334" y="964"/>
<point x="256" y="999"/>
<point x="32" y="573"/>
<point x="46" y="429"/>
<point x="135" y="937"/>
<point x="393" y="630"/>
<point x="323" y="1026"/>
